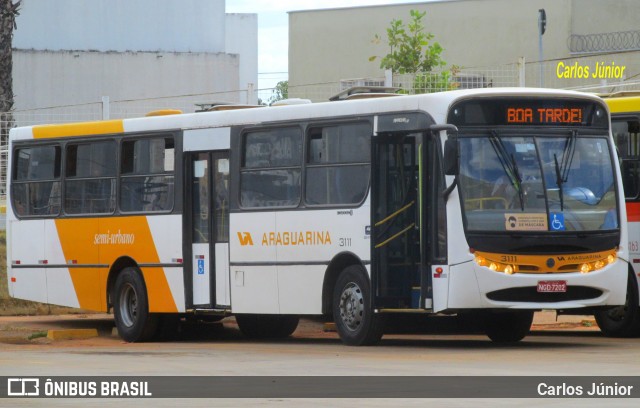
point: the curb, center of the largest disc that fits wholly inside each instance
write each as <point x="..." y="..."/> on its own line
<point x="72" y="334"/>
<point x="329" y="327"/>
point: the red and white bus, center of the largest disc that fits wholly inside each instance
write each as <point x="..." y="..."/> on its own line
<point x="625" y="125"/>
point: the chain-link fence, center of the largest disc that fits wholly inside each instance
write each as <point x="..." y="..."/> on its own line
<point x="507" y="75"/>
<point x="435" y="81"/>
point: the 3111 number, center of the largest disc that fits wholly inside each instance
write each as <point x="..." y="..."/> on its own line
<point x="345" y="242"/>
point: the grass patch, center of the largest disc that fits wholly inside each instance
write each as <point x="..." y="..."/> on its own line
<point x="18" y="307"/>
<point x="37" y="335"/>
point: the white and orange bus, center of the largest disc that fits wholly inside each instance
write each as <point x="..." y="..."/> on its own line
<point x="625" y="126"/>
<point x="492" y="203"/>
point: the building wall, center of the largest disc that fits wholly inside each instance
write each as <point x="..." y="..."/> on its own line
<point x="75" y="77"/>
<point x="330" y="45"/>
<point x="241" y="38"/>
<point x="604" y="16"/>
<point x="122" y="25"/>
<point x="71" y="52"/>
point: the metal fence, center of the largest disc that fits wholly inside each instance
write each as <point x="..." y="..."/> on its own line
<point x="602" y="73"/>
<point x="549" y="74"/>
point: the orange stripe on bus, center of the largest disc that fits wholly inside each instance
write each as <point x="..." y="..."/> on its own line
<point x="633" y="212"/>
<point x="102" y="241"/>
<point x="78" y="129"/>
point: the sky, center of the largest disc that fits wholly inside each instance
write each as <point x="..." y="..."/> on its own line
<point x="273" y="21"/>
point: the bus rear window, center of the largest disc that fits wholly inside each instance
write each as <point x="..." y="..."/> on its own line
<point x="36" y="187"/>
<point x="37" y="163"/>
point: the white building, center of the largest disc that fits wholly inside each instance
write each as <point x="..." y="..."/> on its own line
<point x="141" y="54"/>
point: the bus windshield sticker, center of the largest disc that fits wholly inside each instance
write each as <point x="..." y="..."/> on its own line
<point x="556" y="221"/>
<point x="526" y="222"/>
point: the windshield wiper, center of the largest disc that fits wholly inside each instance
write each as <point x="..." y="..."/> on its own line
<point x="559" y="182"/>
<point x="509" y="165"/>
<point x="562" y="170"/>
<point x="516" y="172"/>
<point x="567" y="155"/>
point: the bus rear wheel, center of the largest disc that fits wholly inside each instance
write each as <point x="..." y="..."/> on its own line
<point x="131" y="307"/>
<point x="508" y="327"/>
<point x="257" y="326"/>
<point x="353" y="314"/>
<point x="622" y="321"/>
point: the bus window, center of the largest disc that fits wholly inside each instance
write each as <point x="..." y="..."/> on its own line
<point x="626" y="133"/>
<point x="338" y="164"/>
<point x="90" y="178"/>
<point x="630" y="177"/>
<point x="147" y="182"/>
<point x="36" y="187"/>
<point x="270" y="176"/>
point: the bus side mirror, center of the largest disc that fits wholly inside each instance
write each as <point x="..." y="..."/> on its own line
<point x="451" y="157"/>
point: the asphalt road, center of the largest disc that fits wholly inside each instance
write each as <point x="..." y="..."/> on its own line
<point x="571" y="347"/>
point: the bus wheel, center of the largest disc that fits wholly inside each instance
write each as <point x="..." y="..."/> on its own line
<point x="355" y="320"/>
<point x="622" y="321"/>
<point x="508" y="327"/>
<point x="257" y="326"/>
<point x="131" y="307"/>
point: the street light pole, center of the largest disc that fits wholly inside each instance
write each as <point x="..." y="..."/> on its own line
<point x="542" y="25"/>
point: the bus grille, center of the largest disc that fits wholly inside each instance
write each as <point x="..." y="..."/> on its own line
<point x="531" y="294"/>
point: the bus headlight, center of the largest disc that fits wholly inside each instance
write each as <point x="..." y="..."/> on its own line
<point x="516" y="264"/>
<point x="495" y="266"/>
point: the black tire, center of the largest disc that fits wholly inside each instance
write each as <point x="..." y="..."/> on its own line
<point x="131" y="307"/>
<point x="622" y="321"/>
<point x="355" y="320"/>
<point x="257" y="326"/>
<point x="508" y="326"/>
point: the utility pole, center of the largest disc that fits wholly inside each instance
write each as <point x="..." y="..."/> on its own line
<point x="542" y="25"/>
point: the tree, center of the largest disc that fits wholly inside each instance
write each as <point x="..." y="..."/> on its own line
<point x="411" y="52"/>
<point x="8" y="12"/>
<point x="280" y="92"/>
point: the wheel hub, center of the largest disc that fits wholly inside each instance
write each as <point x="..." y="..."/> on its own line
<point x="351" y="306"/>
<point x="128" y="305"/>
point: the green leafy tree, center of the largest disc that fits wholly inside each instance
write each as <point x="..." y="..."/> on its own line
<point x="412" y="51"/>
<point x="280" y="92"/>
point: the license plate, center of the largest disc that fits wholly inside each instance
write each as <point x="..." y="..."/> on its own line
<point x="552" y="286"/>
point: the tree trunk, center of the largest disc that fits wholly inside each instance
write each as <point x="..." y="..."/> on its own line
<point x="8" y="13"/>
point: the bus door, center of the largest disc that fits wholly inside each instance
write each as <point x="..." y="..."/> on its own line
<point x="396" y="261"/>
<point x="207" y="218"/>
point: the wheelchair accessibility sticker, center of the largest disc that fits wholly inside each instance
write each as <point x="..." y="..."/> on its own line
<point x="200" y="266"/>
<point x="556" y="222"/>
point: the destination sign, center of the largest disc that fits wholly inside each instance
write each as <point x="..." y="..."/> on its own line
<point x="538" y="111"/>
<point x="544" y="115"/>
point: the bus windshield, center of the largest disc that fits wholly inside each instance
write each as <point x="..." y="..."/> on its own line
<point x="520" y="183"/>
